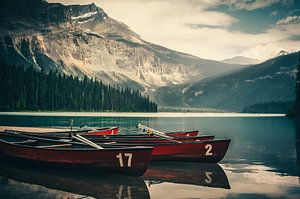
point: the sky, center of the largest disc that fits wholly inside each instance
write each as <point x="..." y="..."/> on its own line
<point x="211" y="29"/>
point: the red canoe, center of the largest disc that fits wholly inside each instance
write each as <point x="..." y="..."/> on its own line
<point x="103" y="131"/>
<point x="114" y="131"/>
<point x="120" y="138"/>
<point x="208" y="151"/>
<point x="146" y="138"/>
<point x="152" y="131"/>
<point x="182" y="133"/>
<point x="81" y="131"/>
<point x="107" y="131"/>
<point x="126" y="160"/>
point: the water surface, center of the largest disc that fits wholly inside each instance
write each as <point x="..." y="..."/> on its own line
<point x="262" y="161"/>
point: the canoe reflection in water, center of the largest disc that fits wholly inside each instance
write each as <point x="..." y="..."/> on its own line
<point x="86" y="184"/>
<point x="209" y="175"/>
<point x="297" y="144"/>
<point x="18" y="181"/>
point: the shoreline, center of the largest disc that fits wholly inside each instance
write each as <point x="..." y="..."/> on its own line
<point x="137" y="114"/>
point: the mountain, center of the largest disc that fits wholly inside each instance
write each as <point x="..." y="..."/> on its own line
<point x="270" y="81"/>
<point x="241" y="60"/>
<point x="263" y="86"/>
<point x="282" y="52"/>
<point x="297" y="101"/>
<point x="81" y="40"/>
<point x="295" y="110"/>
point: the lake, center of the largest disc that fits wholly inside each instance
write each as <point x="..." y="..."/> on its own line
<point x="262" y="160"/>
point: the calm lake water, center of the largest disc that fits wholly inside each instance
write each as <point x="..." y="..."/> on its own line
<point x="263" y="161"/>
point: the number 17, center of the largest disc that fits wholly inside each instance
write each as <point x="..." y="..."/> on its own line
<point x="121" y="162"/>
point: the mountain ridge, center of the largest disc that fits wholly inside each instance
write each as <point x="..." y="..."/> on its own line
<point x="241" y="60"/>
<point x="270" y="81"/>
<point x="83" y="40"/>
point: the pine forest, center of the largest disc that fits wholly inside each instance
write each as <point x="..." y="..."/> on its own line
<point x="29" y="90"/>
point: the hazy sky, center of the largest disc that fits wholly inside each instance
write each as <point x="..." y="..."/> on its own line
<point x="213" y="29"/>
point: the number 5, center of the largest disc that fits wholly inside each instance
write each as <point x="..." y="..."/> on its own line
<point x="208" y="178"/>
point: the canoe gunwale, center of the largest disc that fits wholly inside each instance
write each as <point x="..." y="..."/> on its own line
<point x="65" y="142"/>
<point x="67" y="131"/>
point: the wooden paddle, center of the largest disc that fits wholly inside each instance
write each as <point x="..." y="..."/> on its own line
<point x="86" y="141"/>
<point x="158" y="133"/>
<point x="73" y="135"/>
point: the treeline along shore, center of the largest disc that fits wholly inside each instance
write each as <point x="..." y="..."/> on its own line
<point x="31" y="90"/>
<point x="295" y="110"/>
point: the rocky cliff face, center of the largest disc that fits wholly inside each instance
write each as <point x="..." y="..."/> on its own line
<point x="83" y="40"/>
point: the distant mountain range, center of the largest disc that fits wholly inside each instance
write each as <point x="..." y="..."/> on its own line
<point x="82" y="40"/>
<point x="271" y="81"/>
<point x="241" y="60"/>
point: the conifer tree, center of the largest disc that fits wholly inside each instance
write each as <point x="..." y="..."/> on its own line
<point x="29" y="90"/>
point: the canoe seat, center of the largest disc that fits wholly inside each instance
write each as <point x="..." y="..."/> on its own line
<point x="110" y="143"/>
<point x="54" y="146"/>
<point x="25" y="142"/>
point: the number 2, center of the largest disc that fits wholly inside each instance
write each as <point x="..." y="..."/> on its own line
<point x="209" y="148"/>
<point x="129" y="159"/>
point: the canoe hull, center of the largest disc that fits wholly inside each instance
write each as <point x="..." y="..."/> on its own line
<point x="183" y="133"/>
<point x="131" y="161"/>
<point x="210" y="151"/>
<point x="104" y="131"/>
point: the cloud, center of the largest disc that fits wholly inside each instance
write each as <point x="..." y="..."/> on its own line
<point x="289" y="20"/>
<point x="179" y="12"/>
<point x="287" y="27"/>
<point x="278" y="38"/>
<point x="178" y="25"/>
<point x="196" y="27"/>
<point x="249" y="4"/>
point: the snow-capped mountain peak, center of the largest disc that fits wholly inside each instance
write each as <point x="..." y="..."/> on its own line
<point x="282" y="52"/>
